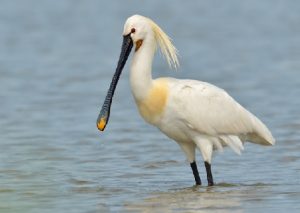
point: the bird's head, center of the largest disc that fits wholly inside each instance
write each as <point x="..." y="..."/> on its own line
<point x="141" y="29"/>
<point x="138" y="30"/>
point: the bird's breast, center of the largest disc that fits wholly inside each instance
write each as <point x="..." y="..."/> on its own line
<point x="152" y="106"/>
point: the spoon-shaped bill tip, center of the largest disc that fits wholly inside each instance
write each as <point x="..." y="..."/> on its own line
<point x="101" y="124"/>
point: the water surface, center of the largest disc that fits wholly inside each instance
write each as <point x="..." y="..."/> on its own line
<point x="56" y="62"/>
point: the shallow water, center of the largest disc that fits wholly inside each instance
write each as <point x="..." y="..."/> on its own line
<point x="56" y="62"/>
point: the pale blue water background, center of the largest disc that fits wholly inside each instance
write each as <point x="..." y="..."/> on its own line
<point x="56" y="62"/>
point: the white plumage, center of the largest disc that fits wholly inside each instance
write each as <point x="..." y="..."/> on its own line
<point x="201" y="113"/>
<point x="195" y="114"/>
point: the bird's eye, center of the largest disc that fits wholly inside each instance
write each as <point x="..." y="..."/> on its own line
<point x="133" y="30"/>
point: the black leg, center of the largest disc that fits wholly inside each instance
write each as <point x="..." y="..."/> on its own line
<point x="210" y="179"/>
<point x="196" y="173"/>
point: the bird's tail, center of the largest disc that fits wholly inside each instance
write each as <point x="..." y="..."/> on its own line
<point x="261" y="134"/>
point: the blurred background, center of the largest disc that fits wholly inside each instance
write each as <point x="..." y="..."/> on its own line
<point x="57" y="59"/>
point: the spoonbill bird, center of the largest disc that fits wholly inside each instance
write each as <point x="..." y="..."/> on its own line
<point x="192" y="113"/>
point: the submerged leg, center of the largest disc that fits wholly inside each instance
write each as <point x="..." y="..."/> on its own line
<point x="209" y="174"/>
<point x="196" y="173"/>
<point x="189" y="150"/>
<point x="205" y="145"/>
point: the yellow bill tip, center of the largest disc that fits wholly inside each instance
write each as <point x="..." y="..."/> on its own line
<point x="101" y="124"/>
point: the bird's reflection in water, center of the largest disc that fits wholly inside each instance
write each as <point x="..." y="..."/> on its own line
<point x="222" y="197"/>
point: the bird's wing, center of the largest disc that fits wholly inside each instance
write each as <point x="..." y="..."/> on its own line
<point x="210" y="110"/>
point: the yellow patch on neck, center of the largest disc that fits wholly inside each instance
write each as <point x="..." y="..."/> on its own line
<point x="154" y="104"/>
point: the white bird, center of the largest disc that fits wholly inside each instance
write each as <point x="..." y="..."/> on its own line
<point x="195" y="114"/>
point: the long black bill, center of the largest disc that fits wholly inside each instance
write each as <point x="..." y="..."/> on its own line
<point x="105" y="111"/>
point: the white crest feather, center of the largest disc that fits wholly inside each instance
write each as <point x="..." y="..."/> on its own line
<point x="165" y="44"/>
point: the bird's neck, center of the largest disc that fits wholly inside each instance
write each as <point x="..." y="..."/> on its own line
<point x="141" y="70"/>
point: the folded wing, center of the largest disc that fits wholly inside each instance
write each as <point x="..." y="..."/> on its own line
<point x="209" y="110"/>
